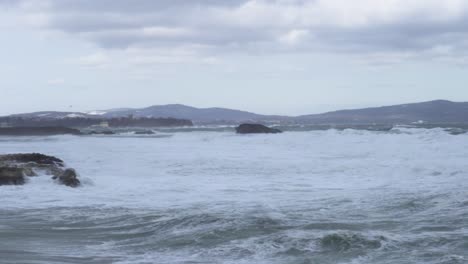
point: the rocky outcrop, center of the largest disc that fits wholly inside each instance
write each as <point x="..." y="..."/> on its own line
<point x="16" y="168"/>
<point x="256" y="129"/>
<point x="68" y="178"/>
<point x="104" y="132"/>
<point x="144" y="132"/>
<point x="37" y="131"/>
<point x="11" y="176"/>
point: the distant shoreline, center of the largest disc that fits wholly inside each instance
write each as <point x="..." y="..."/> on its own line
<point x="451" y="128"/>
<point x="38" y="131"/>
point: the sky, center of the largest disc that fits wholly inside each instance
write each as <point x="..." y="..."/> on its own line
<point x="266" y="56"/>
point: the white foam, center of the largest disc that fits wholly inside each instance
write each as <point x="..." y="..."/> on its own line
<point x="274" y="169"/>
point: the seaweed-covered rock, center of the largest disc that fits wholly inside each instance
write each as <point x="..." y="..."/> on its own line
<point x="68" y="178"/>
<point x="15" y="168"/>
<point x="256" y="129"/>
<point x="31" y="157"/>
<point x="11" y="176"/>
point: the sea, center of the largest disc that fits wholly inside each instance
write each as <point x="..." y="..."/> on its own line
<point x="209" y="195"/>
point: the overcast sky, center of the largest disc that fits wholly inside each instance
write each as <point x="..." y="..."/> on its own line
<point x="266" y="56"/>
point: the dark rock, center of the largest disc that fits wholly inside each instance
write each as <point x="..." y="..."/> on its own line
<point x="37" y="131"/>
<point x="11" y="176"/>
<point x="68" y="178"/>
<point x="145" y="132"/>
<point x="256" y="128"/>
<point x="15" y="167"/>
<point x="32" y="157"/>
<point x="105" y="132"/>
<point x="456" y="131"/>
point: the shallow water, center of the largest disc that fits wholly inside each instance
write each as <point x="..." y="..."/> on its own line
<point x="351" y="196"/>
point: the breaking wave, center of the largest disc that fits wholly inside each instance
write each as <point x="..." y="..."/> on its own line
<point x="316" y="196"/>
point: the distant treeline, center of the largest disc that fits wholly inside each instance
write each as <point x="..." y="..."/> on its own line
<point x="80" y="122"/>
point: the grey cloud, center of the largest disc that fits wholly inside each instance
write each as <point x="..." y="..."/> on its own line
<point x="8" y="3"/>
<point x="138" y="6"/>
<point x="405" y="37"/>
<point x="120" y="23"/>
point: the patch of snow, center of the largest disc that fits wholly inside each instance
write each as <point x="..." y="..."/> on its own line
<point x="96" y="113"/>
<point x="74" y="115"/>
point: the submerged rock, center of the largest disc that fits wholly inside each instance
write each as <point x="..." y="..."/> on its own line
<point x="342" y="242"/>
<point x="255" y="129"/>
<point x="15" y="168"/>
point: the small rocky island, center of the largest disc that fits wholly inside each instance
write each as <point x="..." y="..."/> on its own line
<point x="16" y="168"/>
<point x="256" y="129"/>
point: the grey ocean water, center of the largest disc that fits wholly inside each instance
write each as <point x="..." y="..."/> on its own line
<point x="328" y="196"/>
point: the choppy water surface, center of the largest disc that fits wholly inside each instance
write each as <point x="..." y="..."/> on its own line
<point x="397" y="196"/>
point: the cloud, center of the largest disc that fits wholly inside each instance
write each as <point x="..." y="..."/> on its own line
<point x="367" y="28"/>
<point x="294" y="36"/>
<point x="56" y="81"/>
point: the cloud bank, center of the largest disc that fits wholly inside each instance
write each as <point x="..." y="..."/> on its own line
<point x="376" y="30"/>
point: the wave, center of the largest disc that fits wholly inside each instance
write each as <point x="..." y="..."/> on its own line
<point x="331" y="196"/>
<point x="343" y="242"/>
<point x="193" y="235"/>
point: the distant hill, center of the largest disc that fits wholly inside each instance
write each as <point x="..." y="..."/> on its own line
<point x="199" y="115"/>
<point x="439" y="111"/>
<point x="53" y="115"/>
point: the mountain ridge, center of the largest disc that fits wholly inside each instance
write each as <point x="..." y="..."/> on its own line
<point x="436" y="111"/>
